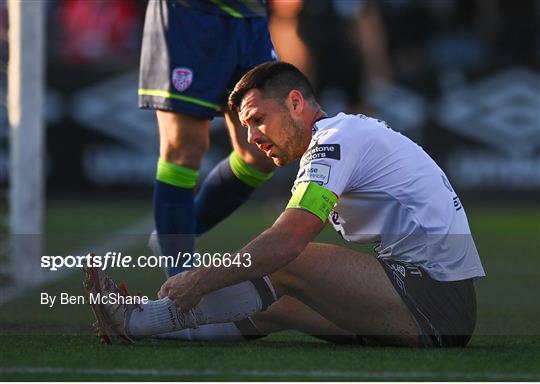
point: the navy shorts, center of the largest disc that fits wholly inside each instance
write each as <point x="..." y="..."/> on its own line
<point x="445" y="311"/>
<point x="191" y="60"/>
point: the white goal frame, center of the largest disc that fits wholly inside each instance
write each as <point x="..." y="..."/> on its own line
<point x="25" y="104"/>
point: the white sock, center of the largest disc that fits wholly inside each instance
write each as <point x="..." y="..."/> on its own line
<point x="228" y="304"/>
<point x="207" y="332"/>
<point x="157" y="316"/>
<point x="232" y="303"/>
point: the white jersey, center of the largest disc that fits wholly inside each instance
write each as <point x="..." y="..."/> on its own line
<point x="392" y="193"/>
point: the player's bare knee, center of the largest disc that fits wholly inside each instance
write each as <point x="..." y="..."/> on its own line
<point x="186" y="154"/>
<point x="288" y="279"/>
<point x="183" y="139"/>
<point x="284" y="282"/>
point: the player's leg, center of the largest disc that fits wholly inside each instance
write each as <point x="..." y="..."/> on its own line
<point x="352" y="290"/>
<point x="349" y="288"/>
<point x="120" y="323"/>
<point x="250" y="154"/>
<point x="178" y="78"/>
<point x="233" y="180"/>
<point x="285" y="314"/>
<point x="288" y="313"/>
<point x="183" y="140"/>
<point x="257" y="49"/>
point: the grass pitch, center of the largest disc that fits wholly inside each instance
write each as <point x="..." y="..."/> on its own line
<point x="39" y="343"/>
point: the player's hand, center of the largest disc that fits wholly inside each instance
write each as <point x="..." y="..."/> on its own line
<point x="181" y="289"/>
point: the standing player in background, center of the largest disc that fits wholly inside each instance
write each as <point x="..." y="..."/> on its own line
<point x="193" y="52"/>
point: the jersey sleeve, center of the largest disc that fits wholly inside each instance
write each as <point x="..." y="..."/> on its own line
<point x="330" y="161"/>
<point x="326" y="170"/>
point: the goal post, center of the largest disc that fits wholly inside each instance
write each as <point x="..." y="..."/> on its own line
<point x="25" y="102"/>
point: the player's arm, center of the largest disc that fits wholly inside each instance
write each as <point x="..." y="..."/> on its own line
<point x="270" y="251"/>
<point x="303" y="219"/>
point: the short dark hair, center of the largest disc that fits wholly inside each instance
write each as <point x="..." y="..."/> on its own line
<point x="274" y="79"/>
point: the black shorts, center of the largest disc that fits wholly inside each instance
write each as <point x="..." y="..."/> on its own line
<point x="445" y="311"/>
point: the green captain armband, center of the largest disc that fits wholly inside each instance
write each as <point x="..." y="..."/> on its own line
<point x="313" y="198"/>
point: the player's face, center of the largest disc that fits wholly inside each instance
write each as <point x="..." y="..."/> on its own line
<point x="271" y="127"/>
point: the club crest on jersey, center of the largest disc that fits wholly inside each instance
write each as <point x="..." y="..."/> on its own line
<point x="182" y="78"/>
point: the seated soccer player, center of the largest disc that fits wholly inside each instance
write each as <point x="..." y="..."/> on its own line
<point x="374" y="185"/>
